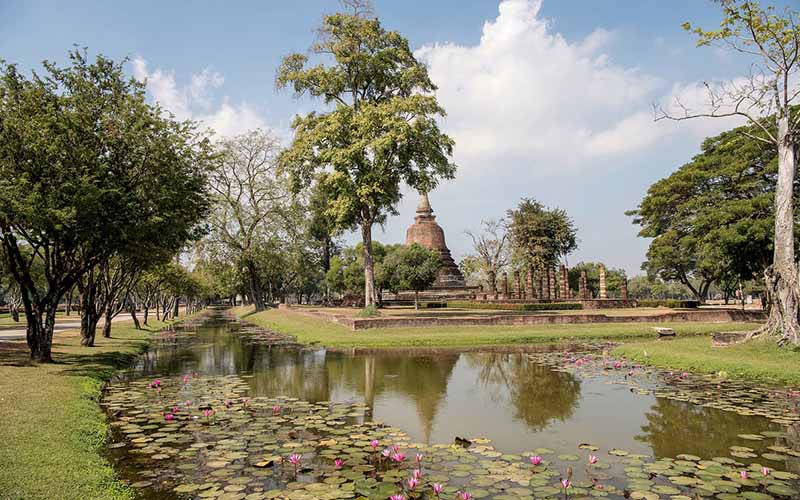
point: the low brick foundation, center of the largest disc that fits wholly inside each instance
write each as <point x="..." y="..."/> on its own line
<point x="711" y="316"/>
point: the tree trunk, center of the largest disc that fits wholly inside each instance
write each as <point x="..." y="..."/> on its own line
<point x="89" y="314"/>
<point x="370" y="297"/>
<point x="176" y="308"/>
<point x="68" y="307"/>
<point x="39" y="333"/>
<point x="109" y="315"/>
<point x="136" y="323"/>
<point x="781" y="278"/>
<point x="146" y="308"/>
<point x="256" y="294"/>
<point x="416" y="299"/>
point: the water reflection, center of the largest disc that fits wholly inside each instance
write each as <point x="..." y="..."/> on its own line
<point x="435" y="396"/>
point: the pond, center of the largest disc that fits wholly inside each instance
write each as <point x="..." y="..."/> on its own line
<point x="653" y="434"/>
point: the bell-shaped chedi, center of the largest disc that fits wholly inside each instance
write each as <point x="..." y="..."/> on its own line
<point x="427" y="233"/>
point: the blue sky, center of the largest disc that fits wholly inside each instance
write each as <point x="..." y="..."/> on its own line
<point x="548" y="100"/>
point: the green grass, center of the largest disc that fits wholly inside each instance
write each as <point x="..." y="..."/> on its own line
<point x="51" y="428"/>
<point x="758" y="360"/>
<point x="313" y="330"/>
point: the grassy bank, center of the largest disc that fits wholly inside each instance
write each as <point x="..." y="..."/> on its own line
<point x="51" y="428"/>
<point x="758" y="360"/>
<point x="312" y="330"/>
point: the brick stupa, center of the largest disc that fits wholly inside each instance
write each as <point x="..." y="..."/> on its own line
<point x="430" y="235"/>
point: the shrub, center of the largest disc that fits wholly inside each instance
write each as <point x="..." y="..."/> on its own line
<point x="539" y="306"/>
<point x="370" y="311"/>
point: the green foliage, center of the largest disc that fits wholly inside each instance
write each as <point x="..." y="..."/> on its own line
<point x="614" y="278"/>
<point x="381" y="130"/>
<point x="371" y="311"/>
<point x="538" y="306"/>
<point x="713" y="219"/>
<point x="540" y="236"/>
<point x="653" y="287"/>
<point x="89" y="170"/>
<point x="417" y="267"/>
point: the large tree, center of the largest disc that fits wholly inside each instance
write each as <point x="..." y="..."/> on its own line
<point x="491" y="250"/>
<point x="87" y="169"/>
<point x="378" y="131"/>
<point x="540" y="236"/>
<point x="772" y="41"/>
<point x="712" y="220"/>
<point x="416" y="269"/>
<point x="249" y="197"/>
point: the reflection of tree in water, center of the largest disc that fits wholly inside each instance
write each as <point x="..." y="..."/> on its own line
<point x="675" y="427"/>
<point x="422" y="378"/>
<point x="537" y="393"/>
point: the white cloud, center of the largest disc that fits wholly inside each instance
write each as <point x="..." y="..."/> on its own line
<point x="196" y="100"/>
<point x="526" y="94"/>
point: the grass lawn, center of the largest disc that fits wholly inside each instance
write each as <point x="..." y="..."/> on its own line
<point x="758" y="360"/>
<point x="312" y="330"/>
<point x="51" y="427"/>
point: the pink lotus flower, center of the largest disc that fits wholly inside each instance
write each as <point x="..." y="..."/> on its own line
<point x="617" y="364"/>
<point x="399" y="457"/>
<point x="416" y="473"/>
<point x="413" y="483"/>
<point x="395" y="448"/>
<point x="295" y="459"/>
<point x="374" y="443"/>
<point x="208" y="412"/>
<point x="744" y="475"/>
<point x="565" y="483"/>
<point x="158" y="391"/>
<point x="463" y="495"/>
<point x="592" y="459"/>
<point x="437" y="488"/>
<point x="397" y="497"/>
<point x="175" y="409"/>
<point x="185" y="379"/>
<point x="387" y="453"/>
<point x="536" y="460"/>
<point x="187" y="403"/>
<point x="276" y="409"/>
<point x="169" y="417"/>
<point x="765" y="471"/>
<point x="419" y="457"/>
<point x="338" y="463"/>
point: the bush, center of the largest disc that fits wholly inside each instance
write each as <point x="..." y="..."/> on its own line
<point x="370" y="311"/>
<point x="543" y="306"/>
<point x="671" y="303"/>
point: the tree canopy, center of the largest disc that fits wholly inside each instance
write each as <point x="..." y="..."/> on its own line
<point x="380" y="130"/>
<point x="540" y="236"/>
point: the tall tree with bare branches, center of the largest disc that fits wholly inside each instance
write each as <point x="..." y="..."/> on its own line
<point x="491" y="249"/>
<point x="767" y="99"/>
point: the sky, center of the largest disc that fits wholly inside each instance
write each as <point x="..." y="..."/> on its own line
<point x="547" y="99"/>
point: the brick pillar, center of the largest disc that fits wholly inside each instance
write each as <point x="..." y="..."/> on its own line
<point x="529" y="285"/>
<point x="505" y="285"/>
<point x="623" y="288"/>
<point x="603" y="291"/>
<point x="517" y="286"/>
<point x="539" y="283"/>
<point x="551" y="283"/>
<point x="584" y="286"/>
<point x="564" y="284"/>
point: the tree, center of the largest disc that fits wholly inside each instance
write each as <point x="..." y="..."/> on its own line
<point x="713" y="218"/>
<point x="88" y="168"/>
<point x="491" y="250"/>
<point x="540" y="236"/>
<point x="381" y="131"/>
<point x="417" y="268"/>
<point x="773" y="41"/>
<point x="614" y="278"/>
<point x="248" y="194"/>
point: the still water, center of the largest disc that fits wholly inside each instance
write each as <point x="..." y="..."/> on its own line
<point x="435" y="396"/>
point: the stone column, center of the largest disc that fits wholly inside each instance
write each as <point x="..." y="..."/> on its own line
<point x="505" y="285"/>
<point x="551" y="283"/>
<point x="539" y="287"/>
<point x="603" y="291"/>
<point x="529" y="285"/>
<point x="584" y="286"/>
<point x="623" y="288"/>
<point x="534" y="284"/>
<point x="517" y="286"/>
<point x="564" y="283"/>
